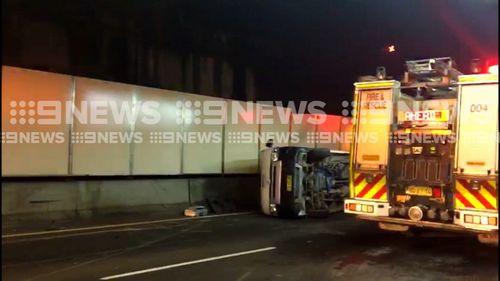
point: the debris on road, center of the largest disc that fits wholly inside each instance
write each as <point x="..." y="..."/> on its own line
<point x="196" y="211"/>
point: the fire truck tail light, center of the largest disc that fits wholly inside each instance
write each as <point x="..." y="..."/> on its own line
<point x="468" y="219"/>
<point x="352" y="207"/>
<point x="483" y="220"/>
<point x="362" y="208"/>
<point x="476" y="219"/>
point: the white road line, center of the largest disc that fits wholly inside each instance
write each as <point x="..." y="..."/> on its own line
<point x="51" y="237"/>
<point x="186" y="263"/>
<point x="244" y="276"/>
<point x="117" y="225"/>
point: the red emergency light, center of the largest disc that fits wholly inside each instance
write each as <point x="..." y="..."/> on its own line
<point x="489" y="66"/>
<point x="492" y="65"/>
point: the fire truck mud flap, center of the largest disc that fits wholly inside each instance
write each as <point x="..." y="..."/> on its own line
<point x="393" y="226"/>
<point x="488" y="238"/>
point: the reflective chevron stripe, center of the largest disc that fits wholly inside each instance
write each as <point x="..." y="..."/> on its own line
<point x="483" y="198"/>
<point x="376" y="189"/>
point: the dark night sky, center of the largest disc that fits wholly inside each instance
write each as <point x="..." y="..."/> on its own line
<point x="299" y="50"/>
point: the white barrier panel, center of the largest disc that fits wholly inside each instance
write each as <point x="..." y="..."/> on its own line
<point x="29" y="146"/>
<point x="103" y="145"/>
<point x="203" y="136"/>
<point x="274" y="124"/>
<point x="241" y="149"/>
<point x="159" y="153"/>
<point x="121" y="129"/>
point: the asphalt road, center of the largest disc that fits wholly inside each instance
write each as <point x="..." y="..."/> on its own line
<point x="247" y="247"/>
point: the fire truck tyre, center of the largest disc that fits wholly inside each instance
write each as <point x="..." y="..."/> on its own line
<point x="490" y="239"/>
<point x="393" y="227"/>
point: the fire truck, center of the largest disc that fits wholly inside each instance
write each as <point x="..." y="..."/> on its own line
<point x="424" y="150"/>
